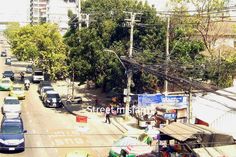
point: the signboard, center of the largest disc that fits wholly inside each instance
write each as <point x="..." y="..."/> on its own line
<point x="82" y="123"/>
<point x="159" y="99"/>
<point x="170" y="116"/>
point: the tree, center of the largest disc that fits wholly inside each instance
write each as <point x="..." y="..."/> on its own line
<point x="11" y="31"/>
<point x="42" y="44"/>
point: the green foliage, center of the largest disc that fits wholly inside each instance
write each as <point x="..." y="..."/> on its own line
<point x="41" y="44"/>
<point x="11" y="31"/>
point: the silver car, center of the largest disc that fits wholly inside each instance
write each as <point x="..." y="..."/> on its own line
<point x="11" y="105"/>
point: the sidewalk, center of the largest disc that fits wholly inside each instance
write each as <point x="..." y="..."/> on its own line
<point x="129" y="127"/>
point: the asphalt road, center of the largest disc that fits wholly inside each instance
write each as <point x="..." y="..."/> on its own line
<point x="53" y="132"/>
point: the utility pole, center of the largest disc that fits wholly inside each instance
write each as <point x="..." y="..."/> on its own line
<point x="129" y="71"/>
<point x="167" y="54"/>
<point x="189" y="109"/>
<point x="73" y="83"/>
<point x="78" y="6"/>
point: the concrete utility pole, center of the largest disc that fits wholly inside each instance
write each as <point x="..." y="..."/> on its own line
<point x="131" y="21"/>
<point x="78" y="6"/>
<point x="167" y="54"/>
<point x="189" y="106"/>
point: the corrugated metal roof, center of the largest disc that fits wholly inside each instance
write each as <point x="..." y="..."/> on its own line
<point x="229" y="151"/>
<point x="183" y="132"/>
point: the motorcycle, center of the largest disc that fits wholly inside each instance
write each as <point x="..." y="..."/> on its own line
<point x="27" y="84"/>
<point x="22" y="75"/>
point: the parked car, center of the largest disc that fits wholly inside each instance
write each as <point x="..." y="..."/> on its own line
<point x="77" y="153"/>
<point x="29" y="69"/>
<point x="43" y="84"/>
<point x="44" y="90"/>
<point x="75" y="100"/>
<point x="37" y="76"/>
<point x="8" y="74"/>
<point x="5" y="84"/>
<point x="3" y="54"/>
<point x="12" y="134"/>
<point x="52" y="99"/>
<point x="17" y="91"/>
<point x="11" y="105"/>
<point x="8" y="61"/>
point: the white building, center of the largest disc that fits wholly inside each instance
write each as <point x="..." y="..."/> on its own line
<point x="57" y="11"/>
<point x="218" y="111"/>
<point x="38" y="10"/>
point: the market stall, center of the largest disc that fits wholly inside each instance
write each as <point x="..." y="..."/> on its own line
<point x="129" y="147"/>
<point x="186" y="137"/>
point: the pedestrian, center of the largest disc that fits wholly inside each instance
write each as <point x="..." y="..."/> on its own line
<point x="107" y="114"/>
<point x="96" y="102"/>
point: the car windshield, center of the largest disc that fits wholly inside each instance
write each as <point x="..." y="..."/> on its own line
<point x="8" y="72"/>
<point x="17" y="88"/>
<point x="38" y="73"/>
<point x="53" y="96"/>
<point x="5" y="81"/>
<point x="11" y="129"/>
<point x="11" y="101"/>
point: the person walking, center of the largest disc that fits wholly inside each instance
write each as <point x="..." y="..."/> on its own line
<point x="107" y="114"/>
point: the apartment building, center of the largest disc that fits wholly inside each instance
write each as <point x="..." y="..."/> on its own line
<point x="57" y="12"/>
<point x="38" y="11"/>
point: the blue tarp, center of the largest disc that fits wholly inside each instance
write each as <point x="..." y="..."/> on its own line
<point x="159" y="99"/>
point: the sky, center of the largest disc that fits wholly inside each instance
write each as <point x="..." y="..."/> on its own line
<point x="14" y="10"/>
<point x="18" y="10"/>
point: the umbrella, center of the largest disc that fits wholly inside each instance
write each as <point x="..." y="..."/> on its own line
<point x="131" y="146"/>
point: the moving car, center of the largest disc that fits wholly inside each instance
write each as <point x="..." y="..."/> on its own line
<point x="52" y="99"/>
<point x="8" y="74"/>
<point x="17" y="91"/>
<point x="77" y="153"/>
<point x="43" y="84"/>
<point x="3" y="54"/>
<point x="8" y="61"/>
<point x="12" y="134"/>
<point x="38" y="76"/>
<point x="29" y="69"/>
<point x="5" y="84"/>
<point x="11" y="105"/>
<point x="44" y="90"/>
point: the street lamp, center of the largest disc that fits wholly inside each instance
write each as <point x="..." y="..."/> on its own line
<point x="107" y="50"/>
<point x="129" y="74"/>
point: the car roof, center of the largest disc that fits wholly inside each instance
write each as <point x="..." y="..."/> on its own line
<point x="52" y="92"/>
<point x="38" y="70"/>
<point x="17" y="85"/>
<point x="47" y="87"/>
<point x="11" y="115"/>
<point x="11" y="97"/>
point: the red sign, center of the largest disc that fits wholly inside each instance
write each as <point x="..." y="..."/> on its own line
<point x="81" y="119"/>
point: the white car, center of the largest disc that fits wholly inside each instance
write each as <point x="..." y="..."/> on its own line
<point x="44" y="90"/>
<point x="38" y="76"/>
<point x="11" y="105"/>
